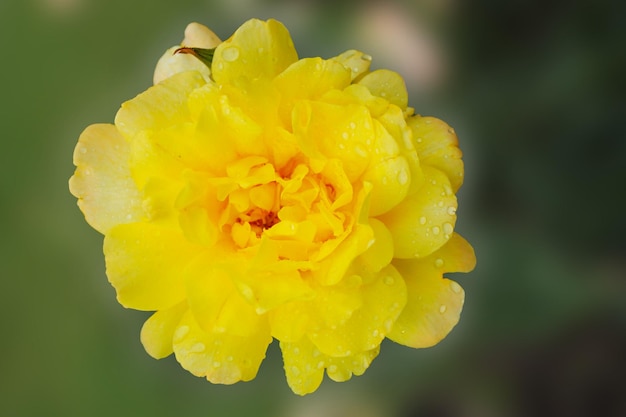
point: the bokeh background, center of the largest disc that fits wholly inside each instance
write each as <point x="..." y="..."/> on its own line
<point x="536" y="92"/>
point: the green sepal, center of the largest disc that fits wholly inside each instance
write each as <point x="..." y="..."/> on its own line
<point x="204" y="55"/>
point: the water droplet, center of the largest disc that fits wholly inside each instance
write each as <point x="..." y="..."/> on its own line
<point x="422" y="220"/>
<point x="456" y="288"/>
<point x="180" y="333"/>
<point x="261" y="50"/>
<point x="375" y="333"/>
<point x="295" y="370"/>
<point x="361" y="151"/>
<point x="419" y="140"/>
<point x="448" y="228"/>
<point x="229" y="359"/>
<point x="320" y="364"/>
<point x="230" y="54"/>
<point x="451" y="210"/>
<point x="345" y="135"/>
<point x="442" y="309"/>
<point x="197" y="348"/>
<point x="440" y="204"/>
<point x="217" y="364"/>
<point x="316" y="353"/>
<point x="387" y="325"/>
<point x="384" y="180"/>
<point x="332" y="368"/>
<point x="296" y="351"/>
<point x="389" y="280"/>
<point x="83" y="150"/>
<point x="438" y="262"/>
<point x="342" y="146"/>
<point x="403" y="177"/>
<point x="352" y="125"/>
<point x="436" y="230"/>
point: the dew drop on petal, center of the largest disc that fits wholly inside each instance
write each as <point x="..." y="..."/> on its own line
<point x="295" y="370"/>
<point x="403" y="177"/>
<point x="352" y="125"/>
<point x="389" y="280"/>
<point x="442" y="309"/>
<point x="388" y="324"/>
<point x="361" y="151"/>
<point x="436" y="230"/>
<point x="438" y="262"/>
<point x="230" y="54"/>
<point x="83" y="150"/>
<point x="217" y="364"/>
<point x="332" y="368"/>
<point x="180" y="333"/>
<point x="422" y="220"/>
<point x="345" y="135"/>
<point x="448" y="228"/>
<point x="451" y="210"/>
<point x="197" y="348"/>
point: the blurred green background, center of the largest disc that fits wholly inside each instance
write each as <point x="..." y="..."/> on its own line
<point x="536" y="94"/>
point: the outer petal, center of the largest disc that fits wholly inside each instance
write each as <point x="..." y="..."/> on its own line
<point x="356" y="61"/>
<point x="424" y="221"/>
<point x="342" y="369"/>
<point x="437" y="146"/>
<point x="257" y="51"/>
<point x="434" y="303"/>
<point x="304" y="366"/>
<point x="160" y="107"/>
<point x="216" y="304"/>
<point x="144" y="263"/>
<point x="157" y="332"/>
<point x="220" y="357"/>
<point x="388" y="85"/>
<point x="382" y="301"/>
<point x="102" y="182"/>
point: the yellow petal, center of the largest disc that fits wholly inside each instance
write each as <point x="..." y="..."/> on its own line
<point x="157" y="332"/>
<point x="221" y="358"/>
<point x="257" y="52"/>
<point x="335" y="132"/>
<point x="160" y="107"/>
<point x="106" y="192"/>
<point x="309" y="79"/>
<point x="357" y="62"/>
<point x="434" y="303"/>
<point x="388" y="172"/>
<point x="378" y="255"/>
<point x="437" y="146"/>
<point x="304" y="366"/>
<point x="424" y="221"/>
<point x="383" y="298"/>
<point x="144" y="263"/>
<point x="388" y="85"/>
<point x="342" y="369"/>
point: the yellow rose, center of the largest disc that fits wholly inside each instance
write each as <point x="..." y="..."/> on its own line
<point x="270" y="197"/>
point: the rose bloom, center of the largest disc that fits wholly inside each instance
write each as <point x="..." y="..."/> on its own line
<point x="269" y="197"/>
